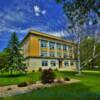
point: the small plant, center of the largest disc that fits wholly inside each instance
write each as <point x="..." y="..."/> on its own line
<point x="9" y="89"/>
<point x="67" y="79"/>
<point x="40" y="69"/>
<point x="47" y="76"/>
<point x="23" y="84"/>
<point x="33" y="70"/>
<point x="56" y="69"/>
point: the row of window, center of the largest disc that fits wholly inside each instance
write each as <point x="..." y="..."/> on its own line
<point x="45" y="63"/>
<point x="52" y="45"/>
<point x="53" y="63"/>
<point x="52" y="54"/>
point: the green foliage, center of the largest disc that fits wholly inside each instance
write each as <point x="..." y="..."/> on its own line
<point x="15" y="59"/>
<point x="87" y="89"/>
<point x="47" y="76"/>
<point x="3" y="60"/>
<point x="86" y="48"/>
<point x="11" y="57"/>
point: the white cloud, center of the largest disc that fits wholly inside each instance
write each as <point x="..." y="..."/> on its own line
<point x="37" y="9"/>
<point x="37" y="14"/>
<point x="43" y="12"/>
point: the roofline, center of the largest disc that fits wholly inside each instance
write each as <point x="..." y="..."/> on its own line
<point x="33" y="32"/>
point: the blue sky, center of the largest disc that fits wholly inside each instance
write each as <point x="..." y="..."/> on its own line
<point x="23" y="15"/>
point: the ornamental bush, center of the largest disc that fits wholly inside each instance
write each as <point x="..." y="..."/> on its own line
<point x="47" y="76"/>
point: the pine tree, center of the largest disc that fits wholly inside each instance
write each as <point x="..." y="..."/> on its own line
<point x="15" y="59"/>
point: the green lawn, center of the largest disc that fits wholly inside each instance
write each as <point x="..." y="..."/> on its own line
<point x="87" y="89"/>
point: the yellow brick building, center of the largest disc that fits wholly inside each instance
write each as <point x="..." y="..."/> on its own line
<point x="47" y="51"/>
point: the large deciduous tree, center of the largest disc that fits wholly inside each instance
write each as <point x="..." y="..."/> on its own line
<point x="78" y="14"/>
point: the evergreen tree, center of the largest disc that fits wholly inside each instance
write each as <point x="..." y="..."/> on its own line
<point x="15" y="59"/>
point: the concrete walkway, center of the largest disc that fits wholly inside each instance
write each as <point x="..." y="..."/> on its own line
<point x="13" y="90"/>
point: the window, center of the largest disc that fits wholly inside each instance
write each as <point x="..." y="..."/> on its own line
<point x="44" y="63"/>
<point x="52" y="54"/>
<point x="43" y="43"/>
<point x="64" y="47"/>
<point x="70" y="48"/>
<point x="44" y="54"/>
<point x="59" y="54"/>
<point x="66" y="63"/>
<point x="53" y="63"/>
<point x="70" y="56"/>
<point x="59" y="46"/>
<point x="52" y="45"/>
<point x="65" y="55"/>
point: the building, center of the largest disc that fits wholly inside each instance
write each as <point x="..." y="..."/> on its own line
<point x="47" y="51"/>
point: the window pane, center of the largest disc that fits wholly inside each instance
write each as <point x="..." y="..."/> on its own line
<point x="44" y="63"/>
<point x="66" y="63"/>
<point x="43" y="43"/>
<point x="52" y="54"/>
<point x="59" y="46"/>
<point x="44" y="54"/>
<point x="52" y="45"/>
<point x="53" y="63"/>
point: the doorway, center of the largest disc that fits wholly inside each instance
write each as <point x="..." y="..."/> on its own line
<point x="60" y="63"/>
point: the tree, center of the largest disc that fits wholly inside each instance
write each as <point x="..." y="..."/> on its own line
<point x="3" y="60"/>
<point x="15" y="59"/>
<point x="78" y="14"/>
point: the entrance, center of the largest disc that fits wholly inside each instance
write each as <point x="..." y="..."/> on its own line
<point x="60" y="63"/>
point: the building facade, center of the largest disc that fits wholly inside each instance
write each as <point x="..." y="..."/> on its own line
<point x="47" y="51"/>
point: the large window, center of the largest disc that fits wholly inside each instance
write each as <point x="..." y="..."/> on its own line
<point x="59" y="54"/>
<point x="44" y="54"/>
<point x="52" y="54"/>
<point x="53" y="63"/>
<point x="44" y="63"/>
<point x="59" y="46"/>
<point x="65" y="47"/>
<point x="51" y="45"/>
<point x="66" y="63"/>
<point x="65" y="55"/>
<point x="43" y="43"/>
<point x="70" y="56"/>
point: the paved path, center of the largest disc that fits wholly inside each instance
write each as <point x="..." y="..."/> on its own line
<point x="12" y="90"/>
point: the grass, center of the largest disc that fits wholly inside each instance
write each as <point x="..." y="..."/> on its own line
<point x="88" y="88"/>
<point x="6" y="79"/>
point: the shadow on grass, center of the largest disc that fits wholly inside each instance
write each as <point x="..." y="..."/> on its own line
<point x="12" y="76"/>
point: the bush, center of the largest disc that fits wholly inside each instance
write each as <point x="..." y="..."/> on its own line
<point x="22" y="84"/>
<point x="40" y="69"/>
<point x="9" y="89"/>
<point x="47" y="76"/>
<point x="56" y="69"/>
<point x="67" y="79"/>
<point x="33" y="70"/>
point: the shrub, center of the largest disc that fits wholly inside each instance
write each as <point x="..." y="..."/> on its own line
<point x="67" y="79"/>
<point x="47" y="76"/>
<point x="23" y="84"/>
<point x="40" y="69"/>
<point x="9" y="89"/>
<point x="33" y="70"/>
<point x="56" y="69"/>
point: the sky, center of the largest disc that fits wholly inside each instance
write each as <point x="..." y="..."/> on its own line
<point x="22" y="16"/>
